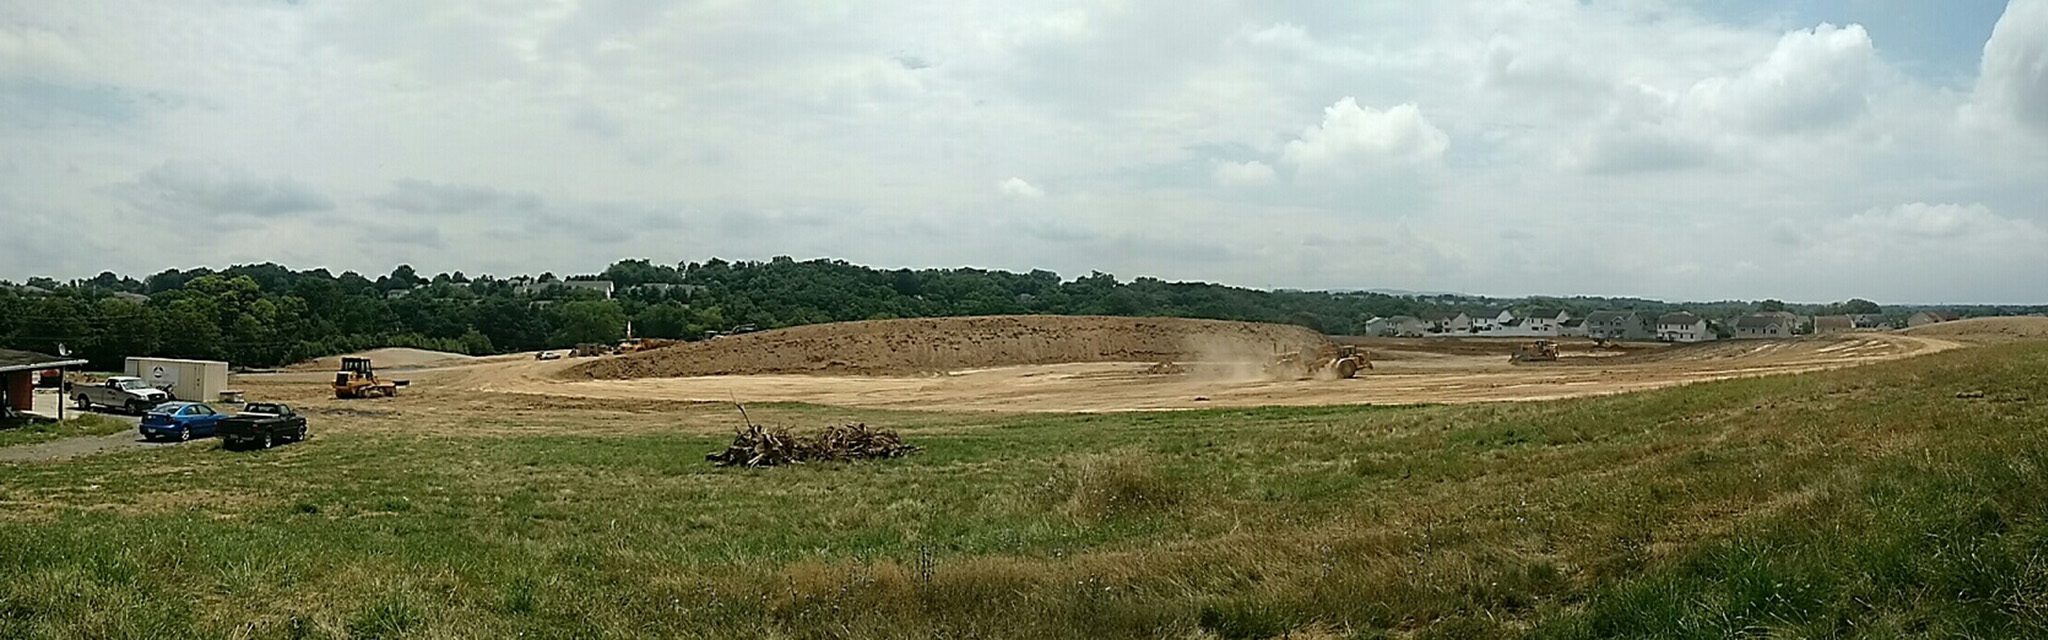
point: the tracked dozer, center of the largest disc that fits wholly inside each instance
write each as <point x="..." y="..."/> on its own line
<point x="1537" y="351"/>
<point x="358" y="379"/>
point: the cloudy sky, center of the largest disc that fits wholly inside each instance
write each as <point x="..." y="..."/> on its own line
<point x="1812" y="150"/>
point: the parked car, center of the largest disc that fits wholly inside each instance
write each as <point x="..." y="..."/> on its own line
<point x="180" y="421"/>
<point x="123" y="392"/>
<point x="262" y="423"/>
<point x="548" y="355"/>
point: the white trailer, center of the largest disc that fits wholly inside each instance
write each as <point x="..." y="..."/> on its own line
<point x="190" y="380"/>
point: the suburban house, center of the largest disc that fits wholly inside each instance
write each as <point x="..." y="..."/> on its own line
<point x="664" y="287"/>
<point x="1405" y="327"/>
<point x="1461" y="323"/>
<point x="1546" y="322"/>
<point x="1868" y="320"/>
<point x="1373" y="326"/>
<point x="1573" y="328"/>
<point x="1833" y="324"/>
<point x="1619" y="325"/>
<point x="1683" y="327"/>
<point x="1765" y="325"/>
<point x="1927" y="318"/>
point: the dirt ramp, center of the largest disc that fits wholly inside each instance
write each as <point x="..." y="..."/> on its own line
<point x="389" y="358"/>
<point x="1986" y="330"/>
<point x="930" y="345"/>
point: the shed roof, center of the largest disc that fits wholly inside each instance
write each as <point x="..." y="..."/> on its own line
<point x="12" y="360"/>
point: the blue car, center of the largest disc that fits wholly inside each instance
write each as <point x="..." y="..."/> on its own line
<point x="180" y="421"/>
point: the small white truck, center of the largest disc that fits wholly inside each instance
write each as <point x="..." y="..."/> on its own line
<point x="121" y="392"/>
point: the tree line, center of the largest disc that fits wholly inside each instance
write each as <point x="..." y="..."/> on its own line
<point x="266" y="315"/>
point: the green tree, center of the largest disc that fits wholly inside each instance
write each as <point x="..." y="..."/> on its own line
<point x="581" y="321"/>
<point x="1770" y="306"/>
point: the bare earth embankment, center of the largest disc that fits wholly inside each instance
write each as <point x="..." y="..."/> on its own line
<point x="1985" y="330"/>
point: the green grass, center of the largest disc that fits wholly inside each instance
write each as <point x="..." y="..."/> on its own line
<point x="1870" y="502"/>
<point x="76" y="425"/>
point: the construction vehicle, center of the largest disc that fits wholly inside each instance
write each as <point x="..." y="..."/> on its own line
<point x="1537" y="351"/>
<point x="1341" y="362"/>
<point x="588" y="349"/>
<point x="358" y="379"/>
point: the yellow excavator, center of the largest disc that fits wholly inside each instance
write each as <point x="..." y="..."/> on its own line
<point x="357" y="379"/>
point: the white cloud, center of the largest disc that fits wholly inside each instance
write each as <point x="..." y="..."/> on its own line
<point x="1657" y="126"/>
<point x="1351" y="137"/>
<point x="2014" y="77"/>
<point x="1243" y="174"/>
<point x="1815" y="77"/>
<point x="1018" y="188"/>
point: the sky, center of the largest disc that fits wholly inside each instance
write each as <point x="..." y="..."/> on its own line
<point x="1811" y="151"/>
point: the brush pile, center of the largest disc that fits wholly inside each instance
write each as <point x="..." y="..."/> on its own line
<point x="755" y="446"/>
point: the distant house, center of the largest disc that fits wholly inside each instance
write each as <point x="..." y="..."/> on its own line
<point x="1833" y="324"/>
<point x="1928" y="317"/>
<point x="1547" y="322"/>
<point x="397" y="293"/>
<point x="136" y="298"/>
<point x="1492" y="320"/>
<point x="1406" y="327"/>
<point x="1868" y="320"/>
<point x="1765" y="325"/>
<point x="1620" y="325"/>
<point x="1374" y="326"/>
<point x="1461" y="323"/>
<point x="1683" y="327"/>
<point x="1573" y="328"/>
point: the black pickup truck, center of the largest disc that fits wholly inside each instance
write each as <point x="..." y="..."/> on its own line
<point x="262" y="423"/>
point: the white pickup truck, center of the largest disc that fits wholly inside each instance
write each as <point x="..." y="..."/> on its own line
<point x="121" y="392"/>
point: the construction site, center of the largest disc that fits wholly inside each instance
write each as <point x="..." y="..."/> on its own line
<point x="1103" y="364"/>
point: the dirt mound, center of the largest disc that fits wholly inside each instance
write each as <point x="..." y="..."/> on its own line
<point x="933" y="345"/>
<point x="1986" y="330"/>
<point x="389" y="358"/>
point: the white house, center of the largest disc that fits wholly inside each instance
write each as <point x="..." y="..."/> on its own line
<point x="1683" y="327"/>
<point x="1545" y="322"/>
<point x="1762" y="325"/>
<point x="1405" y="326"/>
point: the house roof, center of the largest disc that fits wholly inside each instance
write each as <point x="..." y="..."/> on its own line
<point x="1833" y="322"/>
<point x="1546" y="314"/>
<point x="1680" y="317"/>
<point x="1575" y="322"/>
<point x="1608" y="317"/>
<point x="1759" y="321"/>
<point x="11" y="360"/>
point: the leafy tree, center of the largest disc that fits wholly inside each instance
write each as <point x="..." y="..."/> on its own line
<point x="1769" y="306"/>
<point x="581" y="321"/>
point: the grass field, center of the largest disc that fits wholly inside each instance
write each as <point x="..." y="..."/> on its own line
<point x="1904" y="499"/>
<point x="80" y="425"/>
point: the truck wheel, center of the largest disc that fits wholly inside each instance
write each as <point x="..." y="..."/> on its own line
<point x="301" y="437"/>
<point x="84" y="403"/>
<point x="269" y="440"/>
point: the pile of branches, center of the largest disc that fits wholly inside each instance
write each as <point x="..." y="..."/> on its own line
<point x="756" y="446"/>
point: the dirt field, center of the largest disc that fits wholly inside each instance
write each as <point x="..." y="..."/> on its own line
<point x="939" y="345"/>
<point x="1407" y="372"/>
<point x="1985" y="330"/>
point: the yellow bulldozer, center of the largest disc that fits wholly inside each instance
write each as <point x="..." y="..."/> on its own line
<point x="1341" y="362"/>
<point x="358" y="379"/>
<point x="1537" y="351"/>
